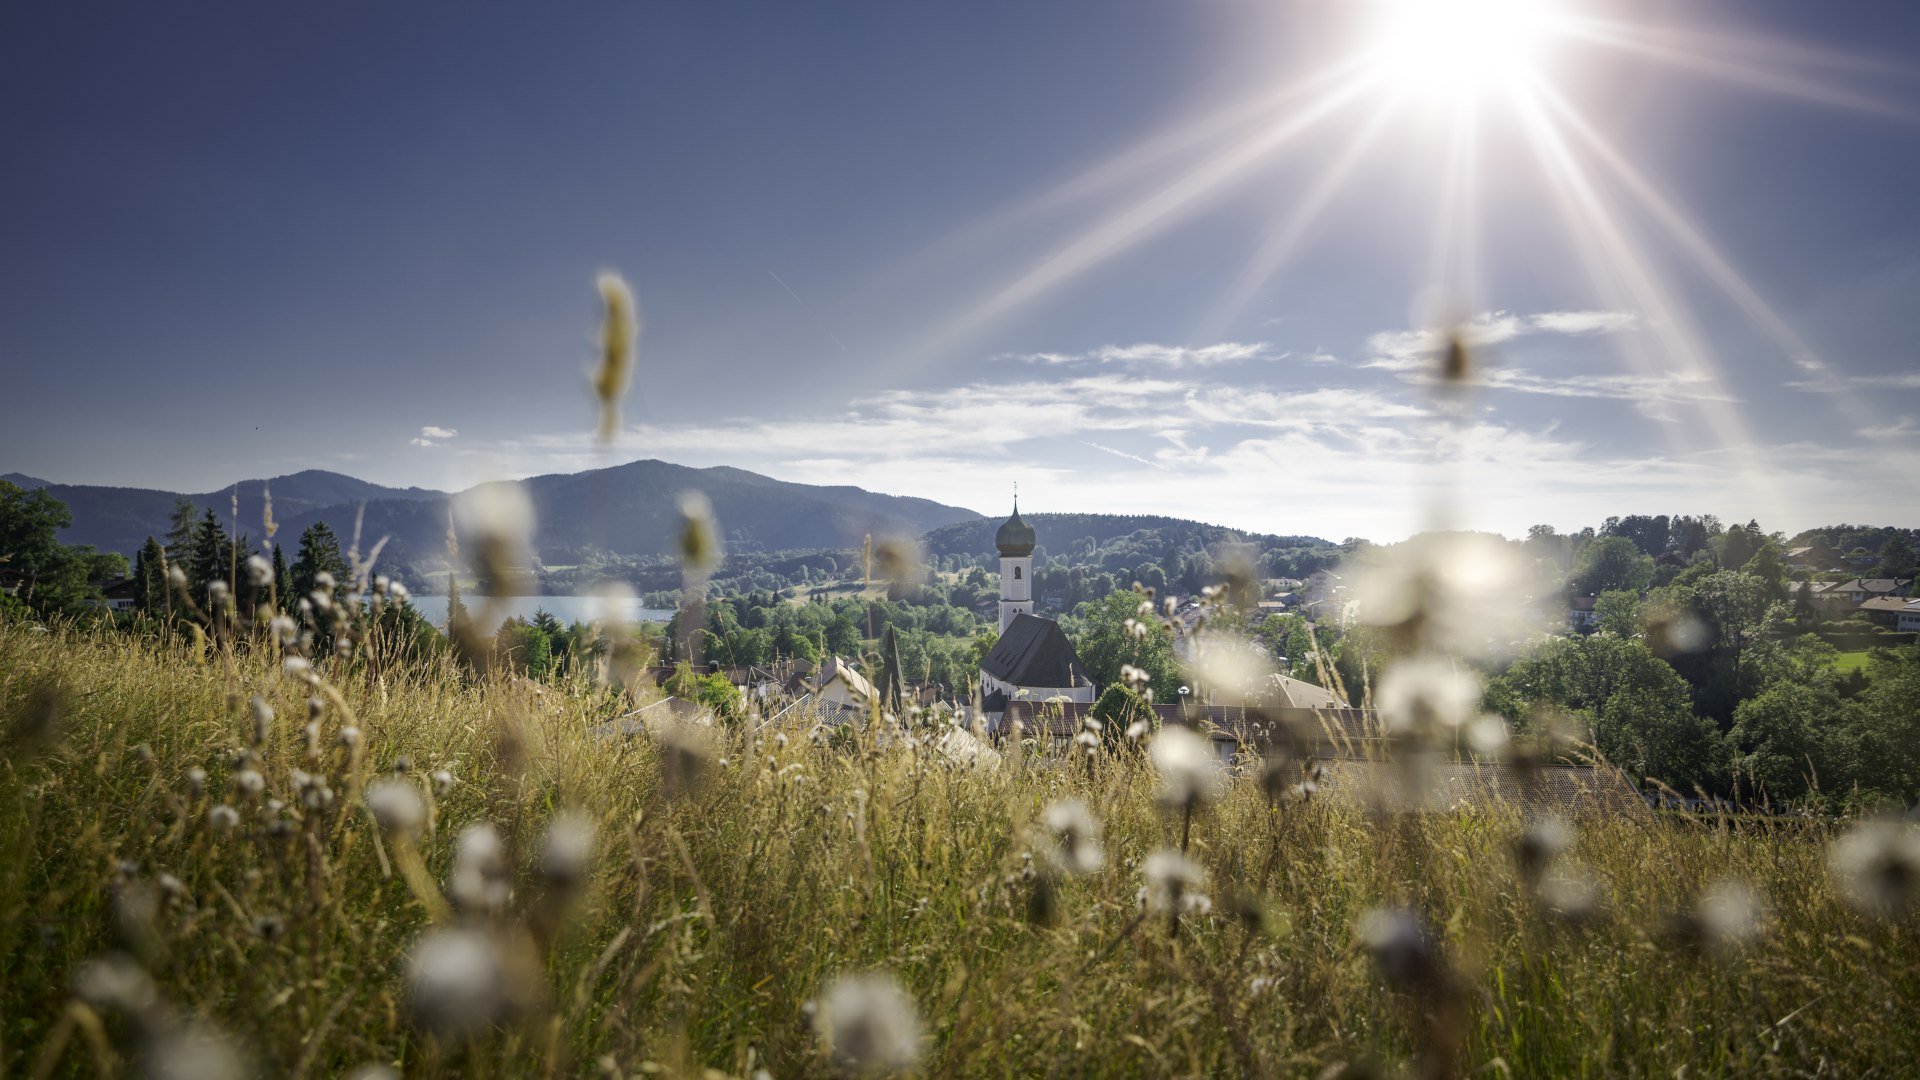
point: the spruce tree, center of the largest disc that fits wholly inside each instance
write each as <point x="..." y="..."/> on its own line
<point x="319" y="553"/>
<point x="892" y="692"/>
<point x="282" y="578"/>
<point x="150" y="577"/>
<point x="208" y="557"/>
<point x="179" y="546"/>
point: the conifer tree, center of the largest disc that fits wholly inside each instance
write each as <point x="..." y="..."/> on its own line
<point x="319" y="553"/>
<point x="150" y="577"/>
<point x="892" y="692"/>
<point x="208" y="558"/>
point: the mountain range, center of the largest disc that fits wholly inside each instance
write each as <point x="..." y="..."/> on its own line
<point x="630" y="509"/>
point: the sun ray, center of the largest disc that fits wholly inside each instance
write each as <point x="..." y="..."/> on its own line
<point x="1707" y="256"/>
<point x="1121" y="230"/>
<point x="1705" y="54"/>
<point x="1613" y="256"/>
<point x="1280" y="240"/>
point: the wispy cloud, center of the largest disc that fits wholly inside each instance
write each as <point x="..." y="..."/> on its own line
<point x="433" y="435"/>
<point x="1823" y="379"/>
<point x="1412" y="350"/>
<point x="1149" y="355"/>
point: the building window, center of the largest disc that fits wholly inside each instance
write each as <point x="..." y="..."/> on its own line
<point x="1016" y="573"/>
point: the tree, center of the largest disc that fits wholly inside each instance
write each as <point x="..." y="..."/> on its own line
<point x="59" y="578"/>
<point x="1117" y="710"/>
<point x="1896" y="558"/>
<point x="892" y="690"/>
<point x="1618" y="612"/>
<point x="1779" y="738"/>
<point x="1637" y="705"/>
<point x="319" y="553"/>
<point x="179" y="541"/>
<point x="209" y="556"/>
<point x="150" y="579"/>
<point x="1105" y="644"/>
<point x="282" y="578"/>
<point x="1612" y="562"/>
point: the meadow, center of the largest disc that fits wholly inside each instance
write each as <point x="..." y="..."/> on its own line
<point x="425" y="871"/>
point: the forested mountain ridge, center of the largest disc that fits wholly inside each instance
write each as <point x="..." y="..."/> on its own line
<point x="630" y="509"/>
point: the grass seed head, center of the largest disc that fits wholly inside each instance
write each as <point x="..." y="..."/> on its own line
<point x="1877" y="867"/>
<point x="397" y="806"/>
<point x="869" y="1024"/>
<point x="1190" y="773"/>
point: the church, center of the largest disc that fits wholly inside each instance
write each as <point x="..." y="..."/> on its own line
<point x="1033" y="660"/>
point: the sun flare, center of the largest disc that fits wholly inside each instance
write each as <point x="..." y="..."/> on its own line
<point x="1455" y="50"/>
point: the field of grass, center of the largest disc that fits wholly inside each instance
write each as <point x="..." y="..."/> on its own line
<point x="1848" y="662"/>
<point x="728" y="885"/>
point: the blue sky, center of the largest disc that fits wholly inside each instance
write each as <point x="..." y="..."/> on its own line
<point x="935" y="249"/>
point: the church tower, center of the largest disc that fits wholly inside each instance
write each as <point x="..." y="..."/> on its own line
<point x="1015" y="541"/>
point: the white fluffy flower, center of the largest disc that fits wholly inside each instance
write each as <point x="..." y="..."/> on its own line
<point x="869" y="1023"/>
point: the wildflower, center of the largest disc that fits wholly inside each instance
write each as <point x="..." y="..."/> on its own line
<point x="618" y="329"/>
<point x="481" y="882"/>
<point x="117" y="982"/>
<point x="192" y="1053"/>
<point x="1138" y="730"/>
<point x="442" y="783"/>
<point x="1877" y="866"/>
<point x="397" y="806"/>
<point x="1456" y="591"/>
<point x="869" y="1024"/>
<point x="1724" y="917"/>
<point x="349" y="736"/>
<point x="699" y="538"/>
<point x="297" y="668"/>
<point x="262" y="719"/>
<point x="248" y="781"/>
<point x="1573" y="897"/>
<point x="1189" y="771"/>
<point x="499" y="518"/>
<point x="217" y="592"/>
<point x="1076" y="837"/>
<point x="176" y="577"/>
<point x="1403" y="949"/>
<point x="196" y="781"/>
<point x="313" y="790"/>
<point x="323" y="583"/>
<point x="312" y="732"/>
<point x="223" y="817"/>
<point x="283" y="630"/>
<point x="1539" y="845"/>
<point x="456" y="982"/>
<point x="259" y="572"/>
<point x="1173" y="884"/>
<point x="686" y="751"/>
<point x="1424" y="694"/>
<point x="567" y="851"/>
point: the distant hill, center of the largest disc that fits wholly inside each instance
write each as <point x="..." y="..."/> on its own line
<point x="120" y="519"/>
<point x="630" y="509"/>
<point x="1058" y="533"/>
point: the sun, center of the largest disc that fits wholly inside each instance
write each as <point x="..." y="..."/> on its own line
<point x="1454" y="51"/>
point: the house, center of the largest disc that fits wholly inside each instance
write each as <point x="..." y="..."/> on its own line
<point x="1897" y="613"/>
<point x="1813" y="557"/>
<point x="838" y="683"/>
<point x="1580" y="614"/>
<point x="120" y="594"/>
<point x="1860" y="590"/>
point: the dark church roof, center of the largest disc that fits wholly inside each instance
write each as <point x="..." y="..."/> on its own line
<point x="1035" y="652"/>
<point x="1015" y="538"/>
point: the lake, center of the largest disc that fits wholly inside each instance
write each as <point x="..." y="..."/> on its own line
<point x="568" y="609"/>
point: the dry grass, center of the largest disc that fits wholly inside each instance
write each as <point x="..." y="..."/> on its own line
<point x="712" y="919"/>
